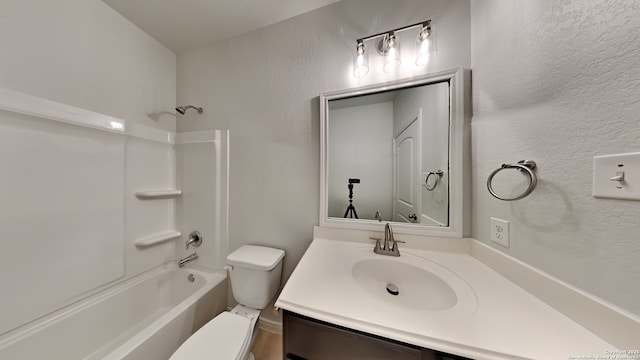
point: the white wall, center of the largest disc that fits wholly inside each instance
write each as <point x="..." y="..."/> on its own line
<point x="83" y="53"/>
<point x="360" y="146"/>
<point x="43" y="221"/>
<point x="557" y="82"/>
<point x="196" y="165"/>
<point x="149" y="165"/>
<point x="202" y="160"/>
<point x="264" y="87"/>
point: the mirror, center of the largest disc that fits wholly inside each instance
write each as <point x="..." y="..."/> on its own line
<point x="390" y="150"/>
<point x="394" y="153"/>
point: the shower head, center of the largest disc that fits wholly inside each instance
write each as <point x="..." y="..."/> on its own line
<point x="183" y="109"/>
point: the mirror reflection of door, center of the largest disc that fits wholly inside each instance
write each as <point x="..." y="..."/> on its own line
<point x="406" y="146"/>
<point x="362" y="135"/>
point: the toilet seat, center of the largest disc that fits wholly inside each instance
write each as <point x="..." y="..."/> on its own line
<point x="226" y="336"/>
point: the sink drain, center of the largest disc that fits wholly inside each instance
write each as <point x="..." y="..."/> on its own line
<point x="392" y="289"/>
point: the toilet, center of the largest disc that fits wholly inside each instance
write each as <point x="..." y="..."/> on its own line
<point x="255" y="278"/>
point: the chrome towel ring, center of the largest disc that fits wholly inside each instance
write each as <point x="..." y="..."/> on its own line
<point x="522" y="165"/>
<point x="438" y="174"/>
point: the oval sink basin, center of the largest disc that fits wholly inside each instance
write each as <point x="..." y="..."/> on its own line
<point x="409" y="281"/>
<point x="415" y="288"/>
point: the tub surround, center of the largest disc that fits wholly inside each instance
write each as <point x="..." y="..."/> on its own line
<point x="146" y="317"/>
<point x="508" y="322"/>
<point x="106" y="284"/>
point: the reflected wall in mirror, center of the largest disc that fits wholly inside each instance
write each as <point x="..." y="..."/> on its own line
<point x="385" y="151"/>
<point x="394" y="153"/>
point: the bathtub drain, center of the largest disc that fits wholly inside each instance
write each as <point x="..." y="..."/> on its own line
<point x="191" y="278"/>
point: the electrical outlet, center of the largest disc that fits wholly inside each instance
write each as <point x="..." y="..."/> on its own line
<point x="500" y="232"/>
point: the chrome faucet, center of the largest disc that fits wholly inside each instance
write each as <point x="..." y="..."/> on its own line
<point x="390" y="246"/>
<point x="188" y="259"/>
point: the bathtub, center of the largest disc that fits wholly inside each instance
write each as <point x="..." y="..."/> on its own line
<point x="144" y="318"/>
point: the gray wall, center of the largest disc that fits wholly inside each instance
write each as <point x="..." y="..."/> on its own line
<point x="557" y="82"/>
<point x="552" y="81"/>
<point x="360" y="146"/>
<point x="264" y="87"/>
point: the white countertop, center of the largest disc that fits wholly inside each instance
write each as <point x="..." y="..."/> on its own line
<point x="503" y="322"/>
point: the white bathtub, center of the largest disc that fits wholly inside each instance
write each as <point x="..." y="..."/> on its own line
<point x="145" y="318"/>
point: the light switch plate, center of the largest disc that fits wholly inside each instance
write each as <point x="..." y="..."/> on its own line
<point x="500" y="232"/>
<point x="617" y="176"/>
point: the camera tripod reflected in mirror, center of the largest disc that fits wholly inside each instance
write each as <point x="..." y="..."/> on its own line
<point x="351" y="210"/>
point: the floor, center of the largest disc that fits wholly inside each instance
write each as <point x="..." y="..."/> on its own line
<point x="268" y="346"/>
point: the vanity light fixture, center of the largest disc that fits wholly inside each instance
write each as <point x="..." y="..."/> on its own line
<point x="389" y="48"/>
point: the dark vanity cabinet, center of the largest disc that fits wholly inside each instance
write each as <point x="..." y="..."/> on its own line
<point x="309" y="339"/>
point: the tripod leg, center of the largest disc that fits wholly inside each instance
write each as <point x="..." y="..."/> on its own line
<point x="351" y="212"/>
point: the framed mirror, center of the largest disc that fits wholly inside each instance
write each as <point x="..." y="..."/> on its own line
<point x="397" y="153"/>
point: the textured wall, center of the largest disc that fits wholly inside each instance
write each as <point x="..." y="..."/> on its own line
<point x="83" y="53"/>
<point x="557" y="82"/>
<point x="264" y="87"/>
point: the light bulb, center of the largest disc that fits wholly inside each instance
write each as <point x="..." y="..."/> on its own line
<point x="361" y="62"/>
<point x="425" y="46"/>
<point x="392" y="53"/>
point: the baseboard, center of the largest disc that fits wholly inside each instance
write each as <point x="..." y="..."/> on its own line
<point x="613" y="324"/>
<point x="270" y="325"/>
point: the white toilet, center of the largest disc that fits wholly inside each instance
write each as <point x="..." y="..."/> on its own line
<point x="255" y="277"/>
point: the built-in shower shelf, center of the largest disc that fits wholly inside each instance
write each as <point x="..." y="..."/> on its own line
<point x="157" y="238"/>
<point x="157" y="194"/>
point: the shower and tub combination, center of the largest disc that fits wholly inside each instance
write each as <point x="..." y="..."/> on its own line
<point x="145" y="318"/>
<point x="99" y="277"/>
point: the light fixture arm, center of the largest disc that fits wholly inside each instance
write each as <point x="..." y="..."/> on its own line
<point x="424" y="24"/>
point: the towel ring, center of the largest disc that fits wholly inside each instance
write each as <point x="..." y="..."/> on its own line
<point x="438" y="174"/>
<point x="522" y="165"/>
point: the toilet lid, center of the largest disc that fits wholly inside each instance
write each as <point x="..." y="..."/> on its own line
<point x="255" y="257"/>
<point x="224" y="337"/>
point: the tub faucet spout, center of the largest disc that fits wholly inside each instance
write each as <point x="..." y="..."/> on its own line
<point x="188" y="259"/>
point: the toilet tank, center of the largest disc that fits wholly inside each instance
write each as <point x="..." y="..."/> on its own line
<point x="255" y="274"/>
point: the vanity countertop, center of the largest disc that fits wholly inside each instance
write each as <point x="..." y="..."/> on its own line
<point x="502" y="322"/>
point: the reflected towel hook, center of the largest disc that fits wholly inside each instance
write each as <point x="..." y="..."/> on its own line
<point x="438" y="174"/>
<point x="522" y="165"/>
